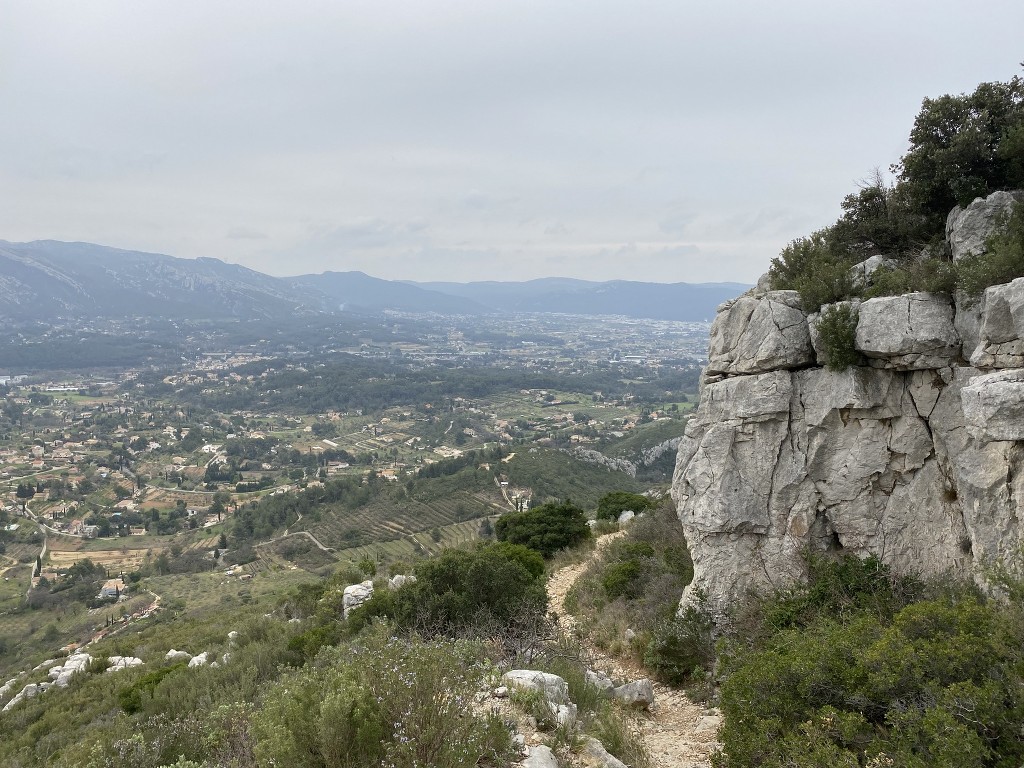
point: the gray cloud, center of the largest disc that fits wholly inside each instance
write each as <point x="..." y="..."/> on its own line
<point x="458" y="140"/>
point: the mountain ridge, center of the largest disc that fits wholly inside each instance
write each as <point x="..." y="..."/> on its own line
<point x="49" y="279"/>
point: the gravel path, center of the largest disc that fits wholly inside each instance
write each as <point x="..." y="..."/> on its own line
<point x="678" y="733"/>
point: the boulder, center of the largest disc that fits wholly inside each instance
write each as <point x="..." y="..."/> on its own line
<point x="173" y="655"/>
<point x="552" y="687"/>
<point x="355" y="595"/>
<point x="1001" y="329"/>
<point x="232" y="637"/>
<point x="540" y="757"/>
<point x="968" y="228"/>
<point x="564" y="714"/>
<point x="860" y="274"/>
<point x="74" y="664"/>
<point x="755" y="334"/>
<point x="625" y="516"/>
<point x="199" y="660"/>
<point x="914" y="331"/>
<point x="601" y="681"/>
<point x="638" y="694"/>
<point x="993" y="406"/>
<point x="594" y="755"/>
<point x="401" y="580"/>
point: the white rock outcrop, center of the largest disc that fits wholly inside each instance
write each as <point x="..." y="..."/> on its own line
<point x="914" y="331"/>
<point x="199" y="660"/>
<point x="552" y="687"/>
<point x="968" y="228"/>
<point x="355" y="595"/>
<point x="916" y="458"/>
<point x="760" y="332"/>
<point x="118" y="663"/>
<point x="173" y="655"/>
<point x="1000" y="334"/>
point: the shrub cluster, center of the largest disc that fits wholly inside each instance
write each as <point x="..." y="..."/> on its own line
<point x="859" y="667"/>
<point x="615" y="503"/>
<point x="546" y="529"/>
<point x="961" y="147"/>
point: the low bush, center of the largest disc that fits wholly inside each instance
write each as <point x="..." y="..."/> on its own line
<point x="383" y="701"/>
<point x="862" y="667"/>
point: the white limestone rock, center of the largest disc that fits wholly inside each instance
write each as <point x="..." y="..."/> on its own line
<point x="401" y="580"/>
<point x="755" y="334"/>
<point x="910" y="332"/>
<point x="860" y="274"/>
<point x="638" y="694"/>
<point x="552" y="687"/>
<point x="173" y="655"/>
<point x="119" y="663"/>
<point x="601" y="681"/>
<point x="993" y="406"/>
<point x="594" y="755"/>
<point x="355" y="595"/>
<point x="199" y="660"/>
<point x="540" y="757"/>
<point x="626" y="516"/>
<point x="74" y="664"/>
<point x="1000" y="342"/>
<point x="968" y="228"/>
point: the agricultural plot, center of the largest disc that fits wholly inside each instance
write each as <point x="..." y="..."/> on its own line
<point x="387" y="519"/>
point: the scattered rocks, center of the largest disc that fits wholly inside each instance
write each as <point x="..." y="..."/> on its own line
<point x="355" y="595"/>
<point x="75" y="663"/>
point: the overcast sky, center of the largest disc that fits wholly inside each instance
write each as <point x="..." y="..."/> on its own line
<point x="427" y="140"/>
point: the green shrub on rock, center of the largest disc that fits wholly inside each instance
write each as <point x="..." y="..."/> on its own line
<point x="837" y="331"/>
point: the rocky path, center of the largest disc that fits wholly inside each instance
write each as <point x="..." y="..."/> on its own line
<point x="678" y="733"/>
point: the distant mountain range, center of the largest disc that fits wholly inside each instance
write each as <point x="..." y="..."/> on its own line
<point x="47" y="279"/>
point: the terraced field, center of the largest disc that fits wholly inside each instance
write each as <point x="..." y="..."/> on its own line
<point x="386" y="520"/>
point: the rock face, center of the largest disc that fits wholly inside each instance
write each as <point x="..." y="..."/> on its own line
<point x="968" y="228"/>
<point x="916" y="458"/>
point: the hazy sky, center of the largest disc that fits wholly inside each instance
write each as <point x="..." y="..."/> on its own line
<point x="432" y="140"/>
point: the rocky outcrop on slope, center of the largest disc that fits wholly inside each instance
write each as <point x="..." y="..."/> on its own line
<point x="915" y="457"/>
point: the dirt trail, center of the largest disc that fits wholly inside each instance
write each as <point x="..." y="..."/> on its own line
<point x="678" y="733"/>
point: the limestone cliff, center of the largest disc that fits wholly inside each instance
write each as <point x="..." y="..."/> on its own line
<point x="915" y="457"/>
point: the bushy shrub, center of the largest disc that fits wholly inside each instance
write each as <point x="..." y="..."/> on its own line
<point x="682" y="648"/>
<point x="615" y="503"/>
<point x="546" y="529"/>
<point x="938" y="685"/>
<point x="383" y="701"/>
<point x="818" y="267"/>
<point x="464" y="591"/>
<point x="837" y="330"/>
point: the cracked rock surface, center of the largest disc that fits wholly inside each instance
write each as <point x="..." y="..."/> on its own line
<point x="916" y="458"/>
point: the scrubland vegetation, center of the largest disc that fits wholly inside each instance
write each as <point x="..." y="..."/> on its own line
<point x="961" y="147"/>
